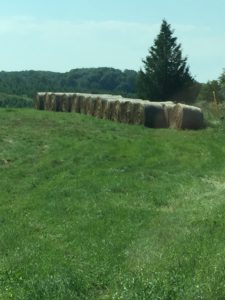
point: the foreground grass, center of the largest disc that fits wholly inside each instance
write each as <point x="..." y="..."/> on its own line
<point x="91" y="209"/>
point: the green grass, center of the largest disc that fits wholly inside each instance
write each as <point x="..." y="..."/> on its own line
<point x="92" y="209"/>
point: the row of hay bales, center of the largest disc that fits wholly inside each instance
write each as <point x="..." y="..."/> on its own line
<point x="131" y="111"/>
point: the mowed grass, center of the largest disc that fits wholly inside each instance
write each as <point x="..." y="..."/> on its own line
<point x="92" y="209"/>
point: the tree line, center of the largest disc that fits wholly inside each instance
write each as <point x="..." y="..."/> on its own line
<point x="92" y="80"/>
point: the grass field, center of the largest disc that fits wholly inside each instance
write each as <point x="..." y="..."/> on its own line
<point x="91" y="209"/>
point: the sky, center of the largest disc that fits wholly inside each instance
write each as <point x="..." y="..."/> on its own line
<point x="61" y="35"/>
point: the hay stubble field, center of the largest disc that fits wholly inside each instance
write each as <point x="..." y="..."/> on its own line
<point x="93" y="209"/>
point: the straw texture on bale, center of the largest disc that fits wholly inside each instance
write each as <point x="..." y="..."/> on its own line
<point x="66" y="102"/>
<point x="123" y="115"/>
<point x="76" y="104"/>
<point x="47" y="103"/>
<point x="51" y="101"/>
<point x="97" y="107"/>
<point x="124" y="110"/>
<point x="58" y="102"/>
<point x="109" y="110"/>
<point x="89" y="106"/>
<point x="104" y="109"/>
<point x="115" y="110"/>
<point x="169" y="110"/>
<point x="137" y="113"/>
<point x="83" y="105"/>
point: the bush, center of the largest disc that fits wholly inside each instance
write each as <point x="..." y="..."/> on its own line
<point x="15" y="101"/>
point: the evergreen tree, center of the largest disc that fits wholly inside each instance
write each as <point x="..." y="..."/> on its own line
<point x="166" y="74"/>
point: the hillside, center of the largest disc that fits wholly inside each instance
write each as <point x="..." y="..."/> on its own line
<point x="93" y="209"/>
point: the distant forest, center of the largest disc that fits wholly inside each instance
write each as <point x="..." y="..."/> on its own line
<point x="92" y="80"/>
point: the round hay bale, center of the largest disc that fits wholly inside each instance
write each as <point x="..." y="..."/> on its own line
<point x="116" y="110"/>
<point x="92" y="106"/>
<point x="66" y="102"/>
<point x="104" y="109"/>
<point x="188" y="117"/>
<point x="51" y="101"/>
<point x="110" y="109"/>
<point x="125" y="115"/>
<point x="169" y="112"/>
<point x="82" y="104"/>
<point x="154" y="116"/>
<point x="70" y="99"/>
<point x="97" y="106"/>
<point x="137" y="113"/>
<point x="73" y="103"/>
<point x="87" y="102"/>
<point x="58" y="102"/>
<point x="40" y="101"/>
<point x="76" y="103"/>
<point x="47" y="100"/>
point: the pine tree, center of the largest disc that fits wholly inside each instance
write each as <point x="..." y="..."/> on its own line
<point x="166" y="74"/>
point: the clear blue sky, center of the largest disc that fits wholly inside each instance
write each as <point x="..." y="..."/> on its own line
<point x="67" y="34"/>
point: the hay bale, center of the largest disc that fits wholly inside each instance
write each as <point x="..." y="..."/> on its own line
<point x="109" y="110"/>
<point x="47" y="101"/>
<point x="73" y="103"/>
<point x="94" y="106"/>
<point x="125" y="112"/>
<point x="51" y="101"/>
<point x="137" y="115"/>
<point x="40" y="101"/>
<point x="76" y="103"/>
<point x="82" y="104"/>
<point x="107" y="107"/>
<point x="58" y="100"/>
<point x="187" y="117"/>
<point x="66" y="102"/>
<point x="116" y="110"/>
<point x="70" y="99"/>
<point x="169" y="112"/>
<point x="97" y="107"/>
<point x="104" y="108"/>
<point x="154" y="116"/>
<point x="87" y="105"/>
<point x="132" y="111"/>
<point x="43" y="99"/>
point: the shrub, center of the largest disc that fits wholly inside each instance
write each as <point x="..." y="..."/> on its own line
<point x="15" y="101"/>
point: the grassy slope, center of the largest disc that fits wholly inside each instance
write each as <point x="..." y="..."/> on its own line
<point x="91" y="209"/>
